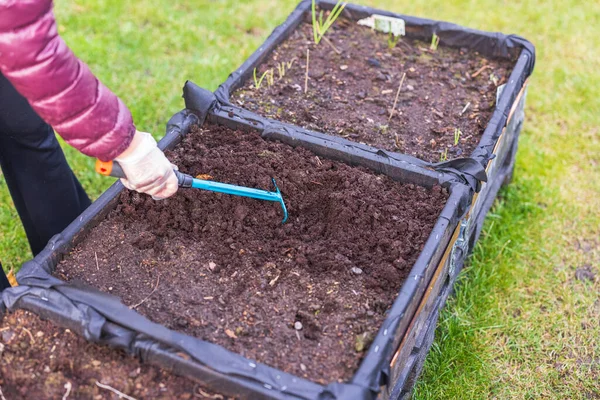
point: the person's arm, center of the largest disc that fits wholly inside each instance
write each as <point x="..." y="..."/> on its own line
<point x="65" y="93"/>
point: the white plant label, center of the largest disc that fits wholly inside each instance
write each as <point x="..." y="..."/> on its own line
<point x="384" y="24"/>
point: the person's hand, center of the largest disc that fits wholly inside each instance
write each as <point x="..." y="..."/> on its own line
<point x="147" y="169"/>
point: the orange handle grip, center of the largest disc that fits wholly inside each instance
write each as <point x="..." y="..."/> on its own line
<point x="104" y="167"/>
<point x="109" y="168"/>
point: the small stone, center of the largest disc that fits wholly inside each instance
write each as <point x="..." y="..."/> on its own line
<point x="343" y="67"/>
<point x="303" y="367"/>
<point x="374" y="62"/>
<point x="356" y="270"/>
<point x="6" y="335"/>
<point x="39" y="334"/>
<point x="46" y="369"/>
<point x="410" y="87"/>
<point x="298" y="325"/>
<point x="212" y="266"/>
<point x="96" y="363"/>
<point x="381" y="77"/>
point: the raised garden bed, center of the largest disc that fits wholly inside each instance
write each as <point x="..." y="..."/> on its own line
<point x="39" y="360"/>
<point x="225" y="270"/>
<point x="177" y="259"/>
<point x="445" y="102"/>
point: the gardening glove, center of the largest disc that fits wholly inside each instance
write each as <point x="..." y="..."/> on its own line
<point x="147" y="169"/>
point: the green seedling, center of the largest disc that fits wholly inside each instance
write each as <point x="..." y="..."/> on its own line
<point x="270" y="77"/>
<point x="457" y="134"/>
<point x="435" y="41"/>
<point x="267" y="74"/>
<point x="320" y="27"/>
<point x="257" y="81"/>
<point x="444" y="156"/>
<point x="494" y="79"/>
<point x="392" y="39"/>
<point x="283" y="67"/>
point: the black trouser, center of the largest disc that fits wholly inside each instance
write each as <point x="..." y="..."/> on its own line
<point x="46" y="193"/>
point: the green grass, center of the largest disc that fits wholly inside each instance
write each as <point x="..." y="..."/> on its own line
<point x="520" y="325"/>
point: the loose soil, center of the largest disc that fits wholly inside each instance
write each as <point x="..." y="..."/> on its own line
<point x="38" y="358"/>
<point x="352" y="94"/>
<point x="224" y="268"/>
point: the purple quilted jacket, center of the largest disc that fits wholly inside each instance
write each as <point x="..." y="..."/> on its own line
<point x="59" y="86"/>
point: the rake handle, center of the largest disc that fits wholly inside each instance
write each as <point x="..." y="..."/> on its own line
<point x="113" y="168"/>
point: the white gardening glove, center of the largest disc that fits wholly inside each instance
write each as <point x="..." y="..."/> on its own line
<point x="146" y="168"/>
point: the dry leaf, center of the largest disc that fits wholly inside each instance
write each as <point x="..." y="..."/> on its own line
<point x="205" y="177"/>
<point x="230" y="333"/>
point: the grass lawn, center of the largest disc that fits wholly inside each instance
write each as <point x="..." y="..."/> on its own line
<point x="525" y="321"/>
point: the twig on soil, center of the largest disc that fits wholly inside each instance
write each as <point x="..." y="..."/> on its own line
<point x="115" y="391"/>
<point x="396" y="99"/>
<point x="397" y="141"/>
<point x="480" y="70"/>
<point x="29" y="333"/>
<point x="206" y="395"/>
<point x="338" y="51"/>
<point x="147" y="297"/>
<point x="67" y="386"/>
<point x="96" y="257"/>
<point x="465" y="109"/>
<point x="2" y="395"/>
<point x="306" y="76"/>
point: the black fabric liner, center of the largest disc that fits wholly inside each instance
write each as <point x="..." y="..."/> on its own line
<point x="101" y="317"/>
<point x="468" y="170"/>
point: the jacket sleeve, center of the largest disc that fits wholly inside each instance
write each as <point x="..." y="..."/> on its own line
<point x="59" y="86"/>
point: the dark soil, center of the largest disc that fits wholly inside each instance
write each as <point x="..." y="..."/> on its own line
<point x="226" y="270"/>
<point x="351" y="94"/>
<point x="37" y="360"/>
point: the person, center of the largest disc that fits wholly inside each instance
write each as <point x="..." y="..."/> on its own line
<point x="43" y="85"/>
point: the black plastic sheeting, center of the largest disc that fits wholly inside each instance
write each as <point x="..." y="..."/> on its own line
<point x="469" y="170"/>
<point x="103" y="318"/>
